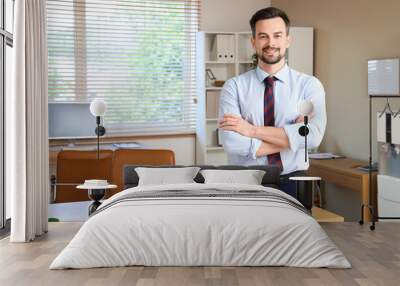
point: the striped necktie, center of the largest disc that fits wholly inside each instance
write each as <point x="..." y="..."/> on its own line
<point x="269" y="116"/>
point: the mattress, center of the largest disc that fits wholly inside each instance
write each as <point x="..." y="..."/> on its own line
<point x="201" y="225"/>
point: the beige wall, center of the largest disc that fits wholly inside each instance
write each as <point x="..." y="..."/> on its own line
<point x="347" y="34"/>
<point x="229" y="15"/>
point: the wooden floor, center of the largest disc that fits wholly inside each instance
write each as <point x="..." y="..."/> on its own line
<point x="375" y="257"/>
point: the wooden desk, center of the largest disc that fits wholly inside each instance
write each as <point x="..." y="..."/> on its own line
<point x="53" y="150"/>
<point x="344" y="173"/>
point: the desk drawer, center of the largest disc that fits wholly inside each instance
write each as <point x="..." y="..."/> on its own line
<point x="341" y="180"/>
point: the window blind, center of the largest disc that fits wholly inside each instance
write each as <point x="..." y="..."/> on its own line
<point x="137" y="55"/>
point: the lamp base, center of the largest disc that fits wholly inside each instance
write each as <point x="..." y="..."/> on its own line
<point x="96" y="195"/>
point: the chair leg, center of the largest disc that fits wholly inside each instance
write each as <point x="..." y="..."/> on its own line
<point x="53" y="189"/>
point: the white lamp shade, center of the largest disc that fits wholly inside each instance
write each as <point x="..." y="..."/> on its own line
<point x="305" y="107"/>
<point x="98" y="107"/>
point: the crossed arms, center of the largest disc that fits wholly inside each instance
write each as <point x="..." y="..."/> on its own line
<point x="273" y="139"/>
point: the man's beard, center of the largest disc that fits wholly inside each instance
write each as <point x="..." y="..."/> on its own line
<point x="269" y="61"/>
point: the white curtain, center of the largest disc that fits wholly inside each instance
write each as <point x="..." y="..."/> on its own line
<point x="26" y="124"/>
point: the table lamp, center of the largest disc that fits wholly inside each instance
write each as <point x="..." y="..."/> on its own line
<point x="98" y="108"/>
<point x="305" y="108"/>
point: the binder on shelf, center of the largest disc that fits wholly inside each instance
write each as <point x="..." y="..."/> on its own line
<point x="230" y="50"/>
<point x="224" y="48"/>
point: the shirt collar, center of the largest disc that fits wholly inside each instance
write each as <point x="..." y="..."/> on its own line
<point x="282" y="75"/>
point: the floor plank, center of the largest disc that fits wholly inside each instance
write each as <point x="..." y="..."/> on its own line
<point x="375" y="257"/>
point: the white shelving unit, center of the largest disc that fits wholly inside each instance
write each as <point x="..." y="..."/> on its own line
<point x="208" y="151"/>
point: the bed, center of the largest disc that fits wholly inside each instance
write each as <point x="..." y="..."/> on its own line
<point x="201" y="224"/>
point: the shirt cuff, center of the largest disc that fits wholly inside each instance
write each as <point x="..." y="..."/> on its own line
<point x="292" y="132"/>
<point x="254" y="145"/>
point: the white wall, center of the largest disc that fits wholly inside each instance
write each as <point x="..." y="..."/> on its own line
<point x="229" y="15"/>
<point x="347" y="34"/>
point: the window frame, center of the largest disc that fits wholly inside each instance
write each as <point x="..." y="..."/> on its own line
<point x="125" y="129"/>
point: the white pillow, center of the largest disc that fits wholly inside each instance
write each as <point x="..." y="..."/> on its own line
<point x="248" y="177"/>
<point x="164" y="176"/>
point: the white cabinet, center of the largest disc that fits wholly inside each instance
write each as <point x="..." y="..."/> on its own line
<point x="300" y="54"/>
<point x="388" y="196"/>
<point x="221" y="56"/>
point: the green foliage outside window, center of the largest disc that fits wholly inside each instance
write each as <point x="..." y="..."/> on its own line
<point x="149" y="65"/>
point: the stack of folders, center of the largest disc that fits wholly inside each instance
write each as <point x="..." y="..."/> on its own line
<point x="323" y="156"/>
<point x="224" y="48"/>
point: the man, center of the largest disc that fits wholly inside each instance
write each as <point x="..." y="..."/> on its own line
<point x="259" y="115"/>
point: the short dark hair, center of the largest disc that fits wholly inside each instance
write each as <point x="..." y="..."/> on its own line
<point x="269" y="13"/>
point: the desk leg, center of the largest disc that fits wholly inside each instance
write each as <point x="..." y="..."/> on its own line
<point x="365" y="199"/>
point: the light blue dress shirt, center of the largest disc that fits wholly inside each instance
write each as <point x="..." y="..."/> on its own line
<point x="244" y="95"/>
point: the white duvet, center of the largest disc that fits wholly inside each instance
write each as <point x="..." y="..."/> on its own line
<point x="200" y="231"/>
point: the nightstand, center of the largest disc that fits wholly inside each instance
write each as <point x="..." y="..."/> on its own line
<point x="95" y="193"/>
<point x="305" y="192"/>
